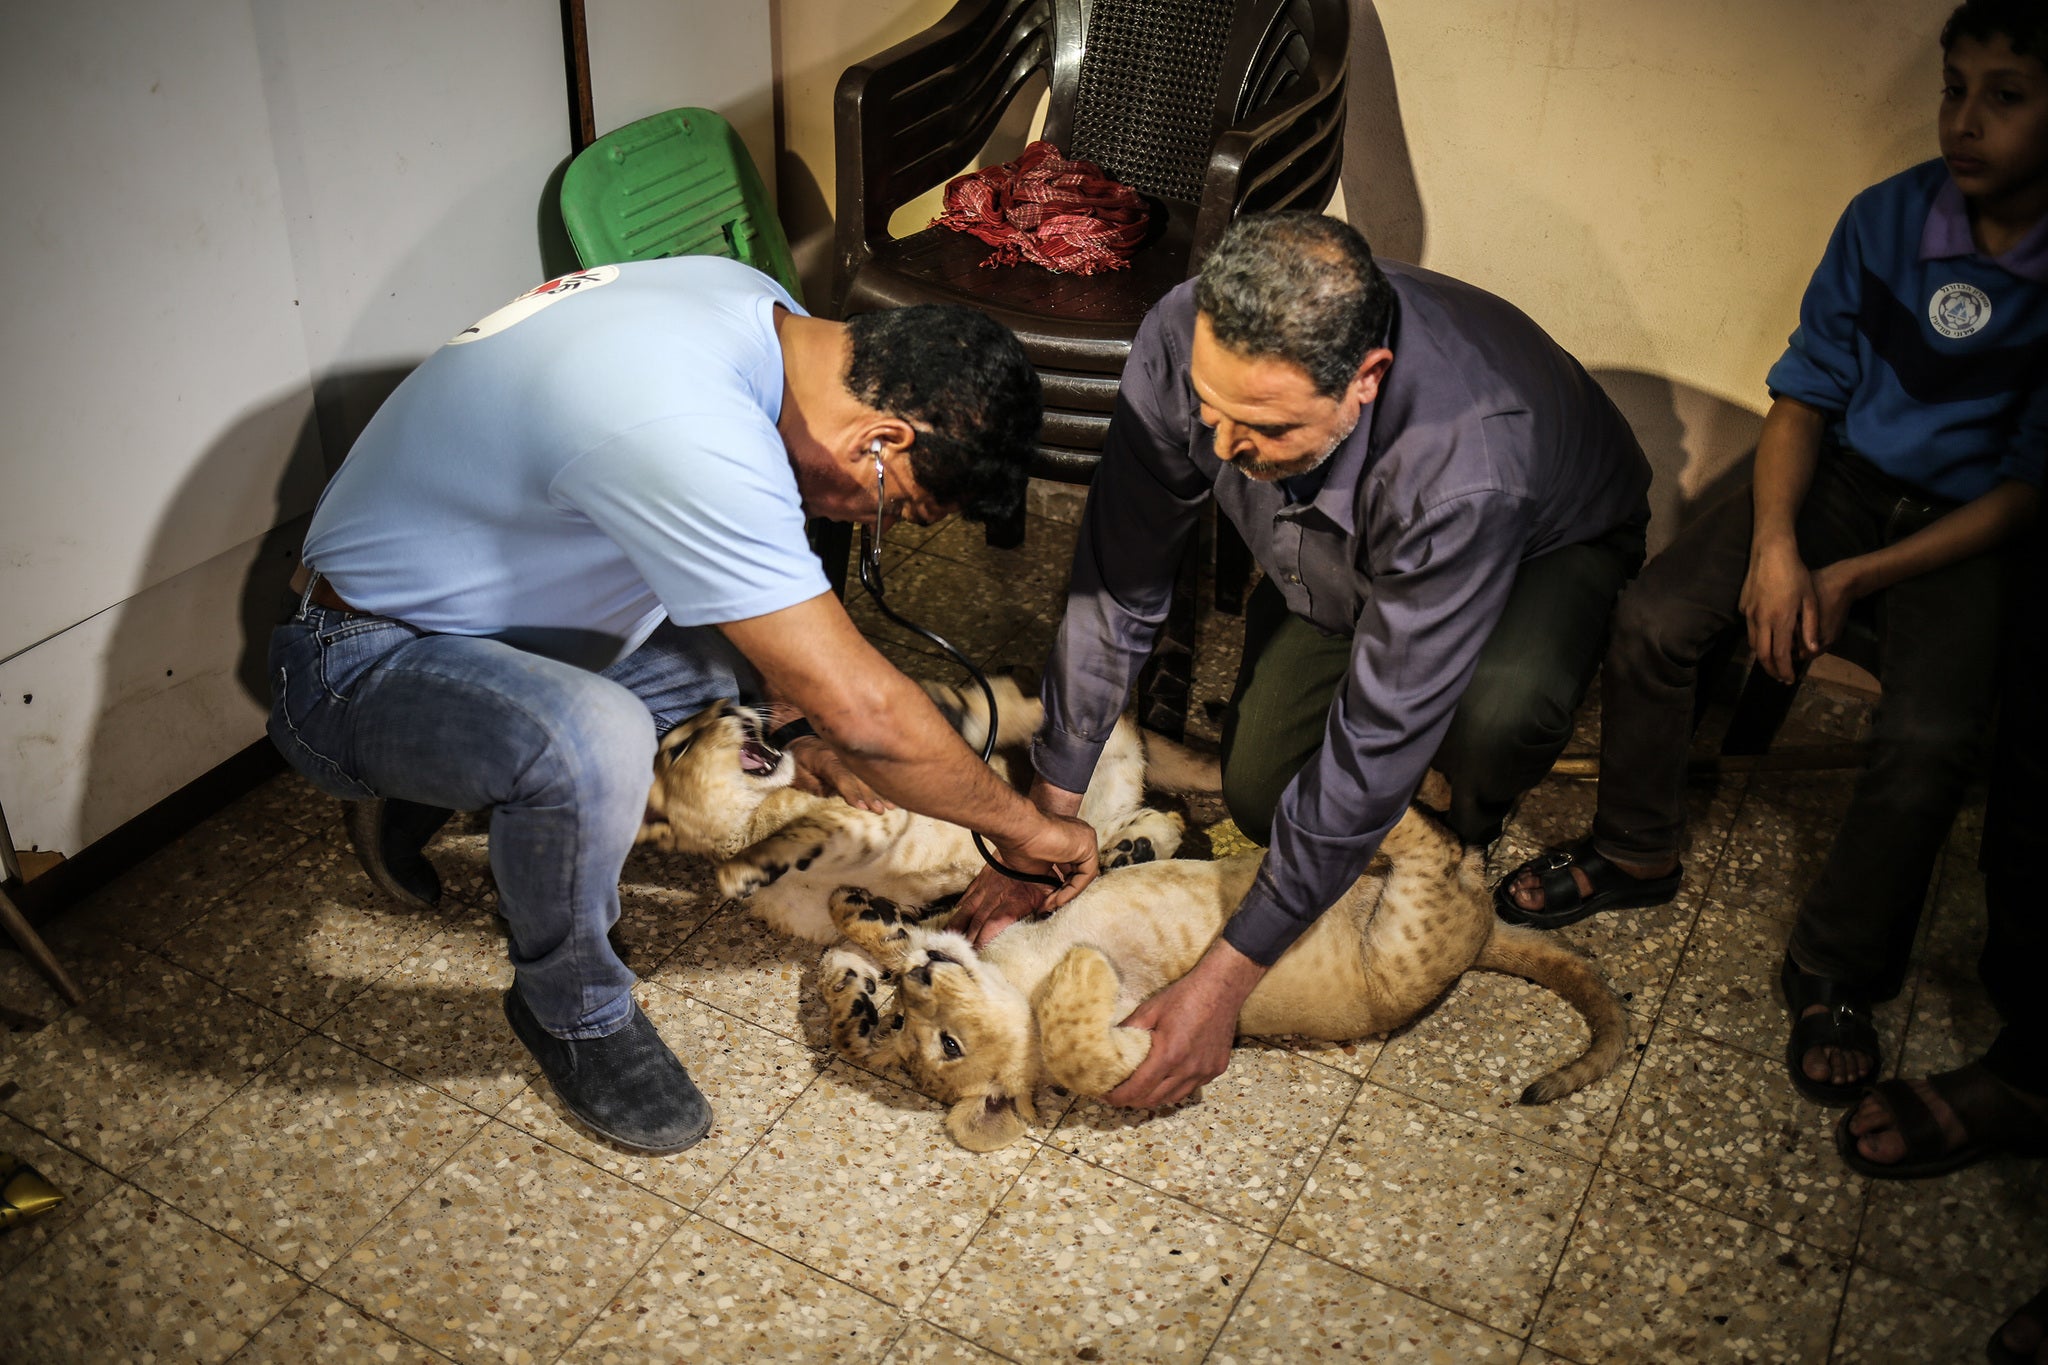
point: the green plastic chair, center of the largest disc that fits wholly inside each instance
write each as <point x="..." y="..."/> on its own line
<point x="678" y="183"/>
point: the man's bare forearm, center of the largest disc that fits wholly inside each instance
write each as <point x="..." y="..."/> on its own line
<point x="884" y="727"/>
<point x="1787" y="451"/>
<point x="892" y="749"/>
<point x="1975" y="528"/>
<point x="1054" y="800"/>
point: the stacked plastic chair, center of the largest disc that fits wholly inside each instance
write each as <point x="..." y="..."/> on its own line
<point x="678" y="183"/>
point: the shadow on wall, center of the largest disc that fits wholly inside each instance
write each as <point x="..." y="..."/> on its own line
<point x="807" y="222"/>
<point x="557" y="255"/>
<point x="1381" y="198"/>
<point x="1699" y="446"/>
<point x="218" y="619"/>
<point x="198" y="624"/>
<point x="225" y="614"/>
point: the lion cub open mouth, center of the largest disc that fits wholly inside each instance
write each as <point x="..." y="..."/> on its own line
<point x="1041" y="1004"/>
<point x="722" y="790"/>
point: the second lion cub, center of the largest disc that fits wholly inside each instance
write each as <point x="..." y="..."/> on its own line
<point x="1041" y="1003"/>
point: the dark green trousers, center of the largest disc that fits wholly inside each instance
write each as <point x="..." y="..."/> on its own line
<point x="1513" y="721"/>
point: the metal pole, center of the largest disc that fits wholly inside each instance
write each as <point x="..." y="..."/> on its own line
<point x="1585" y="767"/>
<point x="20" y="930"/>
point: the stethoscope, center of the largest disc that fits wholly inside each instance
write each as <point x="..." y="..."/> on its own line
<point x="871" y="579"/>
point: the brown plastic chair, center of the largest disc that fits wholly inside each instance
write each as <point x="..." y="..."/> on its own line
<point x="1207" y="107"/>
<point x="1210" y="108"/>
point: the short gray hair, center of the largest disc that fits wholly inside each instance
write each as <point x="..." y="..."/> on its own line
<point x="1300" y="287"/>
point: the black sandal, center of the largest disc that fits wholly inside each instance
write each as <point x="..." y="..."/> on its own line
<point x="1997" y="1352"/>
<point x="1847" y="1025"/>
<point x="1613" y="889"/>
<point x="2003" y="1126"/>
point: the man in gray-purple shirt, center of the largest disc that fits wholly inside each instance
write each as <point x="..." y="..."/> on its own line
<point x="1445" y="506"/>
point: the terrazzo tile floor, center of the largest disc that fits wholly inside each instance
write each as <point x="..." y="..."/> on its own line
<point x="293" y="1126"/>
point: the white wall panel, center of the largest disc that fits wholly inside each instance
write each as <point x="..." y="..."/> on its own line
<point x="651" y="55"/>
<point x="150" y="295"/>
<point x="109" y="717"/>
<point x="414" y="143"/>
<point x="229" y="228"/>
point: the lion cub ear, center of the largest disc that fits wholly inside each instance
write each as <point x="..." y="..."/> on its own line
<point x="982" y="1123"/>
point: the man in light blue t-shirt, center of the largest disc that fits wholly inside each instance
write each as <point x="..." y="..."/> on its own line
<point x="581" y="521"/>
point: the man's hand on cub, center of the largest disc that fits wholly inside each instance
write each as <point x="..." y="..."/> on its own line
<point x="994" y="902"/>
<point x="1193" y="1022"/>
<point x="1060" y="844"/>
<point x="821" y="772"/>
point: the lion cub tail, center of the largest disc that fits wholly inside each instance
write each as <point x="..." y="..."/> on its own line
<point x="1078" y="1039"/>
<point x="1171" y="766"/>
<point x="1541" y="958"/>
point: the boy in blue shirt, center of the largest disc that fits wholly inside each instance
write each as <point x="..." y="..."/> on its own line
<point x="1904" y="445"/>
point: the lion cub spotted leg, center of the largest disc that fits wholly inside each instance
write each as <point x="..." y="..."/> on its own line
<point x="1075" y="1005"/>
<point x="795" y="847"/>
<point x="874" y="924"/>
<point x="852" y="982"/>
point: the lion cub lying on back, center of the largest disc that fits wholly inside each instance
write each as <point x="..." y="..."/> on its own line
<point x="721" y="790"/>
<point x="1041" y="1003"/>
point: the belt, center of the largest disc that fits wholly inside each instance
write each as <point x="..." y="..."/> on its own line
<point x="1861" y="473"/>
<point x="323" y="592"/>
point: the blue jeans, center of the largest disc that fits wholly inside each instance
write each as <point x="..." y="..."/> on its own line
<point x="365" y="706"/>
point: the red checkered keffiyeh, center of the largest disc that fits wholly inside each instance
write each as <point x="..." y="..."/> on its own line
<point x="1043" y="208"/>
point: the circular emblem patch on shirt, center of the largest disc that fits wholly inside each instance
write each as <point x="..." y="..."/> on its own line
<point x="539" y="297"/>
<point x="1959" y="310"/>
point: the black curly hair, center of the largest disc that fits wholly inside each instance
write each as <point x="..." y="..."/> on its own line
<point x="963" y="382"/>
<point x="1301" y="287"/>
<point x="2022" y="23"/>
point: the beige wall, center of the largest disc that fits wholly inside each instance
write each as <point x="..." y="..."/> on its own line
<point x="1653" y="180"/>
<point x="815" y="40"/>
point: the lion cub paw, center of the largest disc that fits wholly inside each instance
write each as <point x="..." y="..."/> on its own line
<point x="1128" y="853"/>
<point x="739" y="880"/>
<point x="1076" y="1008"/>
<point x="846" y="976"/>
<point x="761" y="864"/>
<point x="851" y="983"/>
<point x="1153" y="835"/>
<point x="874" y="923"/>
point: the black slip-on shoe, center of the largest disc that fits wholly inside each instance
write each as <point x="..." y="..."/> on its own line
<point x="627" y="1087"/>
<point x="387" y="837"/>
<point x="1997" y="1352"/>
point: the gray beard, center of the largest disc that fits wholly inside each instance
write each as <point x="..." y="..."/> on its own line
<point x="1294" y="468"/>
